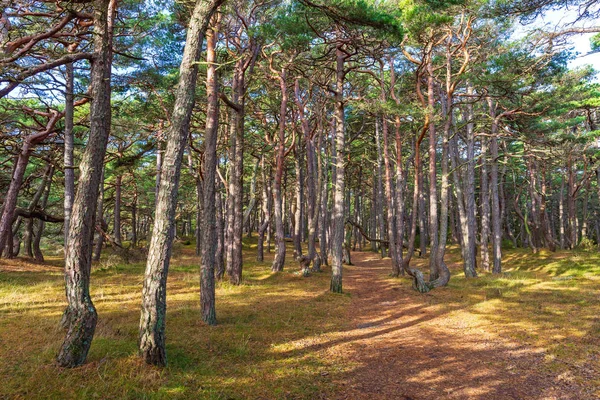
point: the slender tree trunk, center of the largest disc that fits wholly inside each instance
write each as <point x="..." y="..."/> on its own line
<point x="10" y="200"/>
<point x="266" y="209"/>
<point x="100" y="219"/>
<point x="496" y="221"/>
<point x="152" y="320"/>
<point x="469" y="190"/>
<point x="433" y="209"/>
<point x="485" y="208"/>
<point x="69" y="148"/>
<point x="29" y="234"/>
<point x="380" y="193"/>
<point x="337" y="239"/>
<point x="134" y="218"/>
<point x="279" y="259"/>
<point x="39" y="229"/>
<point x="80" y="315"/>
<point x="219" y="260"/>
<point x="299" y="189"/>
<point x="117" y="212"/>
<point x="389" y="197"/>
<point x="209" y="239"/>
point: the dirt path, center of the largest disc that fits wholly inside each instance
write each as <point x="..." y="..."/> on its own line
<point x="403" y="345"/>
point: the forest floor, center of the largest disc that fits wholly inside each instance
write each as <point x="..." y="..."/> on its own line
<point x="531" y="333"/>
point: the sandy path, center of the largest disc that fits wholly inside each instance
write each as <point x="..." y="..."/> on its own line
<point x="404" y="345"/>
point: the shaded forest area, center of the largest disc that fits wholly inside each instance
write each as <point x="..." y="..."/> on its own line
<point x="440" y="156"/>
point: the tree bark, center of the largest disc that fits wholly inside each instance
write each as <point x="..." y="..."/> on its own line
<point x="496" y="221"/>
<point x="209" y="242"/>
<point x="279" y="259"/>
<point x="152" y="320"/>
<point x="80" y="316"/>
<point x="69" y="148"/>
<point x="39" y="230"/>
<point x="337" y="239"/>
<point x="484" y="237"/>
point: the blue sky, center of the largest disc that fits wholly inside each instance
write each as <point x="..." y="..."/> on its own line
<point x="555" y="20"/>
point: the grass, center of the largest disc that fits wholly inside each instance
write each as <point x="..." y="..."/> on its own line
<point x="548" y="301"/>
<point x="247" y="355"/>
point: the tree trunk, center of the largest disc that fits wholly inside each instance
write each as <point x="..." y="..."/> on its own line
<point x="219" y="260"/>
<point x="117" y="212"/>
<point x="266" y="210"/>
<point x="279" y="259"/>
<point x="391" y="228"/>
<point x="469" y="191"/>
<point x="496" y="221"/>
<point x="39" y="231"/>
<point x="152" y="320"/>
<point x="433" y="209"/>
<point x="209" y="242"/>
<point x="80" y="315"/>
<point x="299" y="189"/>
<point x="485" y="208"/>
<point x="69" y="148"/>
<point x="338" y="222"/>
<point x="99" y="219"/>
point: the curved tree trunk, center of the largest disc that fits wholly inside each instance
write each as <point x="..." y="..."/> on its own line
<point x="80" y="316"/>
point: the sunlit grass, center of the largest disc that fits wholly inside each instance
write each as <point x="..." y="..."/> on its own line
<point x="276" y="331"/>
<point x="238" y="358"/>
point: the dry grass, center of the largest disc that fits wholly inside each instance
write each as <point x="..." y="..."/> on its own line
<point x="274" y="331"/>
<point x="240" y="358"/>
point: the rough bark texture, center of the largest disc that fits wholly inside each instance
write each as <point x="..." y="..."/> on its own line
<point x="484" y="236"/>
<point x="496" y="221"/>
<point x="80" y="316"/>
<point x="69" y="147"/>
<point x="389" y="196"/>
<point x="433" y="209"/>
<point x="209" y="242"/>
<point x="337" y="239"/>
<point x="152" y="320"/>
<point x="470" y="263"/>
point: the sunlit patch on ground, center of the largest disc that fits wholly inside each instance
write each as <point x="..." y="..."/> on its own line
<point x="532" y="332"/>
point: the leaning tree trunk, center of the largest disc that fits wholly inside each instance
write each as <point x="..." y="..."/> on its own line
<point x="152" y="320"/>
<point x="80" y="316"/>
